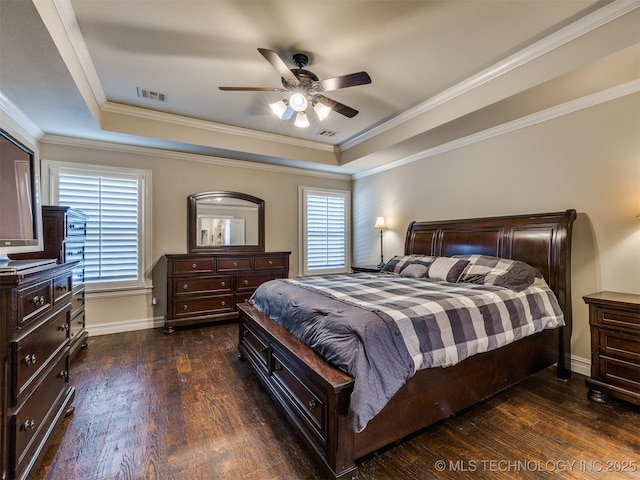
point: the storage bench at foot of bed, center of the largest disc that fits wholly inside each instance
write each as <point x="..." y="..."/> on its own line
<point x="314" y="395"/>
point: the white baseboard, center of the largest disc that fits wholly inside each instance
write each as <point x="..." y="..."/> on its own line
<point x="127" y="326"/>
<point x="581" y="365"/>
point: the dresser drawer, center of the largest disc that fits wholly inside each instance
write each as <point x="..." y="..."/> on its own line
<point x="266" y="263"/>
<point x="76" y="325"/>
<point x="618" y="320"/>
<point x="32" y="352"/>
<point x="251" y="282"/>
<point x="33" y="418"/>
<point x="243" y="297"/>
<point x="76" y="227"/>
<point x="77" y="302"/>
<point x="73" y="252"/>
<point x="235" y="264"/>
<point x="61" y="289"/>
<point x="193" y="265"/>
<point x="203" y="306"/>
<point x="188" y="286"/>
<point x="34" y="301"/>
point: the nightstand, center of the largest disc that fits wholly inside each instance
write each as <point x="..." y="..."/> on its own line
<point x="365" y="269"/>
<point x="615" y="346"/>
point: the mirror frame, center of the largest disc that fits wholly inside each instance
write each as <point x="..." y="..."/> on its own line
<point x="192" y="223"/>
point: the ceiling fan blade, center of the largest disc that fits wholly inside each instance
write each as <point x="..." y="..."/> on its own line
<point x="344" y="81"/>
<point x="337" y="106"/>
<point x="274" y="59"/>
<point x="252" y="89"/>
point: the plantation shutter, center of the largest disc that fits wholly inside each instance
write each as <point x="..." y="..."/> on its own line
<point x="113" y="232"/>
<point x="326" y="232"/>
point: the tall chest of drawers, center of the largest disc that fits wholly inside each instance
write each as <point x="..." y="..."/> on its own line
<point x="204" y="288"/>
<point x="35" y="309"/>
<point x="614" y="319"/>
<point x="65" y="231"/>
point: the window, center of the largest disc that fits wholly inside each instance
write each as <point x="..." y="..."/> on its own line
<point x="325" y="236"/>
<point x="114" y="200"/>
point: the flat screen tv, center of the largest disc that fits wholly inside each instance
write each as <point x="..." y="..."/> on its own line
<point x="20" y="210"/>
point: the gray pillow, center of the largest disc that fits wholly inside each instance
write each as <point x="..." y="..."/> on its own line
<point x="415" y="270"/>
<point x="501" y="272"/>
<point x="447" y="269"/>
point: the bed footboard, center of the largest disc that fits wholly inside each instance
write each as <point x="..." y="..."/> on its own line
<point x="314" y="395"/>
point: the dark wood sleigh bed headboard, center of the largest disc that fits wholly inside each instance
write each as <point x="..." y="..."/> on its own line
<point x="541" y="240"/>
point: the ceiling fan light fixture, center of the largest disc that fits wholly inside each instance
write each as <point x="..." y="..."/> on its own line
<point x="301" y="120"/>
<point x="322" y="110"/>
<point x="279" y="108"/>
<point x="298" y="102"/>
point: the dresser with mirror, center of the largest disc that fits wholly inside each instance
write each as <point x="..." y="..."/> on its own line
<point x="226" y="259"/>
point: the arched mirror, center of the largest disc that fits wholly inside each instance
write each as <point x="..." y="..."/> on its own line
<point x="225" y="222"/>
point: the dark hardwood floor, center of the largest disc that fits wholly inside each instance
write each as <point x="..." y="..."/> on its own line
<point x="182" y="406"/>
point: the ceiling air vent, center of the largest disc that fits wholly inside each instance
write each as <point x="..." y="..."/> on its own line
<point x="326" y="133"/>
<point x="151" y="94"/>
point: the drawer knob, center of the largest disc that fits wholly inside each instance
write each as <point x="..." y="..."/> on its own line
<point x="63" y="327"/>
<point x="185" y="286"/>
<point x="64" y="374"/>
<point x="185" y="307"/>
<point x="29" y="424"/>
<point x="270" y="262"/>
<point x="278" y="367"/>
<point x="30" y="359"/>
<point x="235" y="264"/>
<point x="62" y="288"/>
<point x="265" y="350"/>
<point x="222" y="284"/>
<point x="312" y="404"/>
<point x="38" y="300"/>
<point x="246" y="282"/>
<point x="194" y="265"/>
<point x="222" y="303"/>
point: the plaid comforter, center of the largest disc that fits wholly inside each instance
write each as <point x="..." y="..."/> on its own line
<point x="443" y="323"/>
<point x="381" y="328"/>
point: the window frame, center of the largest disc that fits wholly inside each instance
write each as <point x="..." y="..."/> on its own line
<point x="303" y="193"/>
<point x="50" y="184"/>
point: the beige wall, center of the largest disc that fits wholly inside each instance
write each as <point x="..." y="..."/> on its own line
<point x="174" y="178"/>
<point x="588" y="160"/>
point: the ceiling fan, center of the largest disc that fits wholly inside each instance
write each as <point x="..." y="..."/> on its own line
<point x="305" y="89"/>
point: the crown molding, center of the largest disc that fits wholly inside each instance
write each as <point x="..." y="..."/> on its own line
<point x="526" y="121"/>
<point x="190" y="157"/>
<point x="130" y="111"/>
<point x="72" y="29"/>
<point x="19" y="121"/>
<point x="553" y="41"/>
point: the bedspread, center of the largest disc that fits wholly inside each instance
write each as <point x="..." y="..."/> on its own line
<point x="381" y="328"/>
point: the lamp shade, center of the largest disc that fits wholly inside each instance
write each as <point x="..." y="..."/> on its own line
<point x="380" y="225"/>
<point x="301" y="120"/>
<point x="322" y="110"/>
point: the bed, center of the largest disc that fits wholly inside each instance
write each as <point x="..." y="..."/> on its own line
<point x="316" y="396"/>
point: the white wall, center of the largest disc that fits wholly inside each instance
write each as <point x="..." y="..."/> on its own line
<point x="588" y="160"/>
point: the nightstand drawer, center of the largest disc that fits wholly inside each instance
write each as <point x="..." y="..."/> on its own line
<point x="620" y="372"/>
<point x="618" y="320"/>
<point x="616" y="344"/>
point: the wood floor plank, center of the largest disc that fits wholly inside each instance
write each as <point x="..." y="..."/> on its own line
<point x="171" y="407"/>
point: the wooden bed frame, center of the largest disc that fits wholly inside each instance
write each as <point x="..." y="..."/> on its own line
<point x="315" y="395"/>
